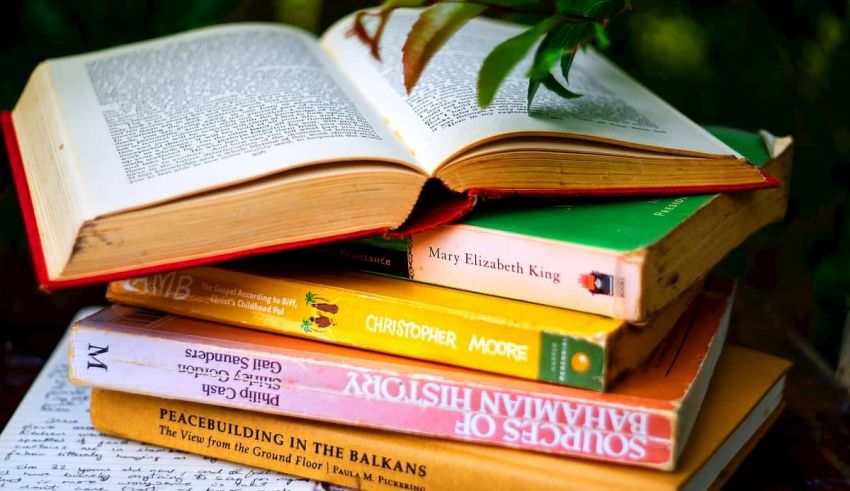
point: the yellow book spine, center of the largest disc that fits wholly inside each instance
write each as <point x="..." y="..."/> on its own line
<point x="324" y="452"/>
<point x="346" y="456"/>
<point x="385" y="314"/>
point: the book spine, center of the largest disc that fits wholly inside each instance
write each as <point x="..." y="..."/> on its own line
<point x="203" y="370"/>
<point x="350" y="457"/>
<point x="385" y="256"/>
<point x="509" y="265"/>
<point x="407" y="325"/>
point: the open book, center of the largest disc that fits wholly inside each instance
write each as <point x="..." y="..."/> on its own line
<point x="251" y="137"/>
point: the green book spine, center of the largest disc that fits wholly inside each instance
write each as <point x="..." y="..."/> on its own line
<point x="386" y="256"/>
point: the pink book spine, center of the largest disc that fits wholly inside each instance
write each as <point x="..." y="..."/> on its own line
<point x="207" y="370"/>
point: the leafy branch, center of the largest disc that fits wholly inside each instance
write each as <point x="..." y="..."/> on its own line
<point x="558" y="29"/>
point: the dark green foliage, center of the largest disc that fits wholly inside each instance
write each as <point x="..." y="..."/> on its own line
<point x="784" y="67"/>
<point x="504" y="57"/>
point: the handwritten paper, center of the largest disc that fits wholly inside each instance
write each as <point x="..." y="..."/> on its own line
<point x="49" y="444"/>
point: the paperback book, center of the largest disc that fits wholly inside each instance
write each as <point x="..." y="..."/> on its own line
<point x="400" y="317"/>
<point x="737" y="411"/>
<point x="644" y="421"/>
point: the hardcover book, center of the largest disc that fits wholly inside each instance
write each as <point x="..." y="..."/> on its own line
<point x="400" y="317"/>
<point x="644" y="421"/>
<point x="737" y="411"/>
<point x="624" y="259"/>
<point x="312" y="140"/>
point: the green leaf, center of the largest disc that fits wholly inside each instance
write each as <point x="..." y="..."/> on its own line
<point x="566" y="64"/>
<point x="601" y="36"/>
<point x="430" y="32"/>
<point x="504" y="57"/>
<point x="559" y="44"/>
<point x="548" y="53"/>
<point x="552" y="84"/>
<point x="533" y="85"/>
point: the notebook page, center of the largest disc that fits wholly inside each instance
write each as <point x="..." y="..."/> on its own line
<point x="49" y="443"/>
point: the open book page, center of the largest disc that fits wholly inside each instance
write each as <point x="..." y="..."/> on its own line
<point x="441" y="115"/>
<point x="169" y="117"/>
<point x="50" y="444"/>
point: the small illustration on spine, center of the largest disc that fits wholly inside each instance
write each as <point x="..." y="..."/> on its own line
<point x="323" y="312"/>
<point x="571" y="361"/>
<point x="597" y="283"/>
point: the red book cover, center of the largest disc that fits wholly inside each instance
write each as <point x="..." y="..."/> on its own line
<point x="432" y="209"/>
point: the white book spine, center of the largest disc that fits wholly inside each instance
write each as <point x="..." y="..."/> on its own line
<point x="527" y="268"/>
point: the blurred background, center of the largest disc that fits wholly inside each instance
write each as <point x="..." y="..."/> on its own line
<point x="779" y="65"/>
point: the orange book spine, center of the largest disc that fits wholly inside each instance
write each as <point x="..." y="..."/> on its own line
<point x="341" y="455"/>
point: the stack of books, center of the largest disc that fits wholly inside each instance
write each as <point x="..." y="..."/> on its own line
<point x="502" y="343"/>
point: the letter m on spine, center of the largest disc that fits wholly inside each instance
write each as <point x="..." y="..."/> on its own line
<point x="94" y="352"/>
